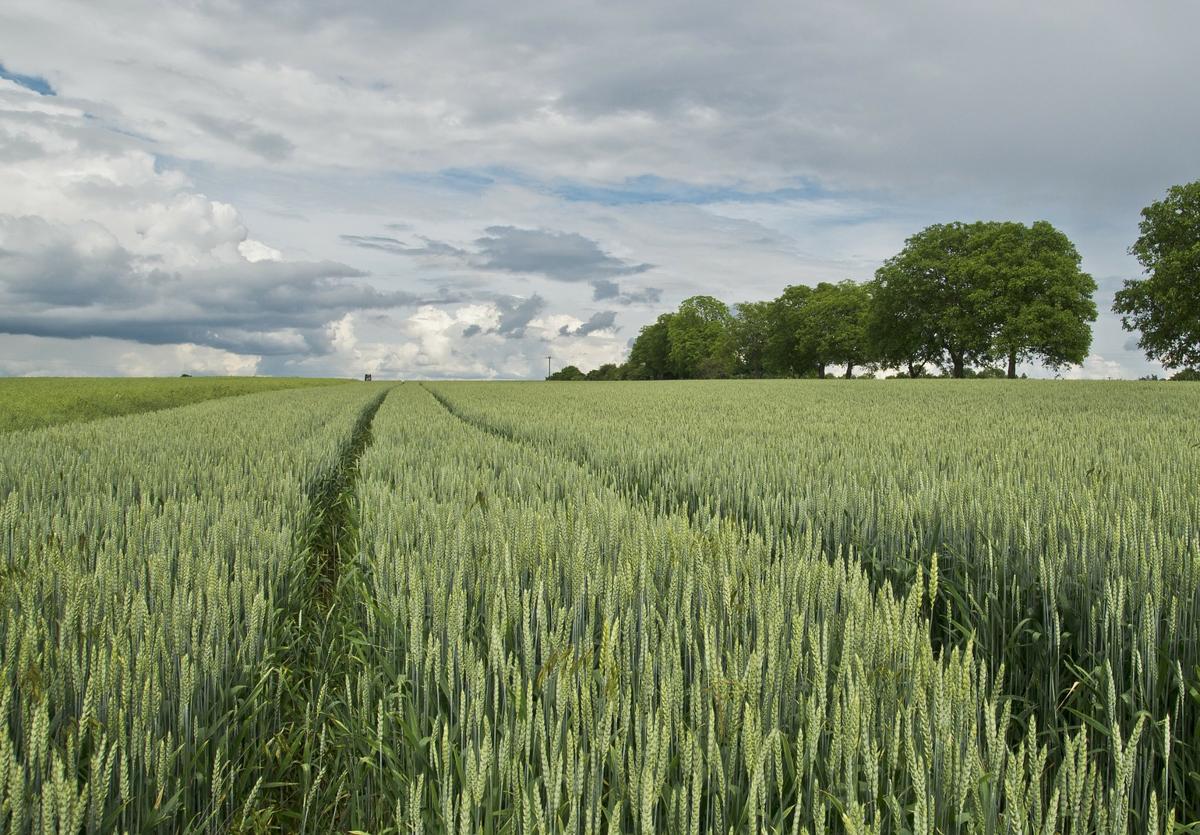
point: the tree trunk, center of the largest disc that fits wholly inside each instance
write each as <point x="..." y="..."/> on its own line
<point x="959" y="365"/>
<point x="849" y="370"/>
<point x="1012" y="365"/>
<point x="915" y="369"/>
<point x="820" y="371"/>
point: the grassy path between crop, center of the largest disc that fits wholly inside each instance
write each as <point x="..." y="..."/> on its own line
<point x="319" y="644"/>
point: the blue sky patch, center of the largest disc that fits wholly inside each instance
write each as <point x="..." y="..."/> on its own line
<point x="35" y="83"/>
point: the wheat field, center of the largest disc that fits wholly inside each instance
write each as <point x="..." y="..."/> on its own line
<point x="786" y="606"/>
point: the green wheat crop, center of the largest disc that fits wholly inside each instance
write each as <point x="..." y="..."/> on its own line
<point x="148" y="561"/>
<point x="781" y="607"/>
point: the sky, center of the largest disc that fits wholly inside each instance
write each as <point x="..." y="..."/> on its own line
<point x="461" y="189"/>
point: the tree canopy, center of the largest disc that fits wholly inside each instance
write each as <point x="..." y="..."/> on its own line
<point x="650" y="356"/>
<point x="833" y="326"/>
<point x="786" y="354"/>
<point x="1043" y="301"/>
<point x="701" y="339"/>
<point x="961" y="294"/>
<point x="1165" y="305"/>
<point x="567" y="372"/>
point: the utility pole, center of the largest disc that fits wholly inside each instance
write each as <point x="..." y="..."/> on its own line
<point x="548" y="366"/>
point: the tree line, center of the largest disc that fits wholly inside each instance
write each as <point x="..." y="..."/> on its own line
<point x="957" y="297"/>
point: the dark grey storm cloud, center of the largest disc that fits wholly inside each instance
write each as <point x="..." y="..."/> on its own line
<point x="605" y="290"/>
<point x="563" y="256"/>
<point x="603" y="320"/>
<point x="557" y="255"/>
<point x="78" y="282"/>
<point x="43" y="264"/>
<point x="516" y="313"/>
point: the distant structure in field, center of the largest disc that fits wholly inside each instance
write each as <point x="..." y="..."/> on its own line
<point x="366" y="378"/>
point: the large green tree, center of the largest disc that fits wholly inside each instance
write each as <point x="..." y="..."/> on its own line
<point x="930" y="303"/>
<point x="701" y="339"/>
<point x="650" y="355"/>
<point x="901" y="332"/>
<point x="1165" y="305"/>
<point x="608" y="371"/>
<point x="962" y="294"/>
<point x="832" y="326"/>
<point x="1042" y="300"/>
<point x="568" y="373"/>
<point x="785" y="354"/>
<point x="752" y="333"/>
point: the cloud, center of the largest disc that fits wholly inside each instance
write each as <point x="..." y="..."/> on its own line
<point x="604" y="320"/>
<point x="395" y="246"/>
<point x="1096" y="367"/>
<point x="516" y="314"/>
<point x="606" y="290"/>
<point x="44" y="264"/>
<point x="40" y="356"/>
<point x="77" y="282"/>
<point x="185" y="359"/>
<point x="98" y="241"/>
<point x="424" y="344"/>
<point x="720" y="146"/>
<point x="270" y="146"/>
<point x="556" y="255"/>
<point x="562" y="256"/>
<point x="625" y="98"/>
<point x="253" y="250"/>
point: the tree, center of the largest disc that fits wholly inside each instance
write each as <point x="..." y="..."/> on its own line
<point x="785" y="355"/>
<point x="900" y="332"/>
<point x="1042" y="300"/>
<point x="1165" y="306"/>
<point x="607" y="371"/>
<point x="700" y="337"/>
<point x="567" y="372"/>
<point x="650" y="355"/>
<point x="833" y="325"/>
<point x="752" y="332"/>
<point x="930" y="304"/>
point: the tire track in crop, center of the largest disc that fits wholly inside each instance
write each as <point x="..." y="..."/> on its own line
<point x="664" y="501"/>
<point x="313" y="646"/>
<point x="660" y="501"/>
<point x="631" y="494"/>
<point x="331" y="531"/>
